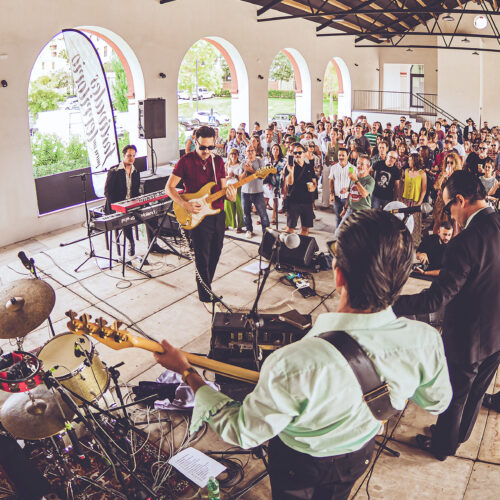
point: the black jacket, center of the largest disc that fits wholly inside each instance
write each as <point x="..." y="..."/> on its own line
<point x="115" y="188"/>
<point x="468" y="286"/>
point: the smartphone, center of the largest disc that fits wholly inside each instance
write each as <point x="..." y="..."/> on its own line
<point x="351" y="170"/>
<point x="290" y="160"/>
<point x="296" y="319"/>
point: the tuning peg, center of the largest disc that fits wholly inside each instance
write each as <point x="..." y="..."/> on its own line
<point x="71" y="314"/>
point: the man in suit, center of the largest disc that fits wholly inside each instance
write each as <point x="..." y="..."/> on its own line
<point x="122" y="183"/>
<point x="468" y="287"/>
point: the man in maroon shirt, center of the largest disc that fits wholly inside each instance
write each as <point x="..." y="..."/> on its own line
<point x="196" y="169"/>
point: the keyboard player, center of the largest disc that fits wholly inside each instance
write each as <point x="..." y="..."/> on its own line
<point x="122" y="183"/>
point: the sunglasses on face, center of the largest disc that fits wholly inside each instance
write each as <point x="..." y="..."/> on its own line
<point x="239" y="133"/>
<point x="447" y="207"/>
<point x="203" y="148"/>
<point x="298" y="153"/>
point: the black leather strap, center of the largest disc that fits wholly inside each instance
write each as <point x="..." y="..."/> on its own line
<point x="375" y="392"/>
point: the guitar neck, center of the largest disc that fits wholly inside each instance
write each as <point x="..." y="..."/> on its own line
<point x="231" y="371"/>
<point x="222" y="192"/>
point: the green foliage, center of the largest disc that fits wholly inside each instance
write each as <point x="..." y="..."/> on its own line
<point x="223" y="93"/>
<point x="281" y="94"/>
<point x="52" y="156"/>
<point x="120" y="87"/>
<point x="43" y="99"/>
<point x="281" y="69"/>
<point x="210" y="68"/>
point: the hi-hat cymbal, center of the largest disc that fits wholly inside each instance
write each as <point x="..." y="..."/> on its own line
<point x="24" y="305"/>
<point x="40" y="419"/>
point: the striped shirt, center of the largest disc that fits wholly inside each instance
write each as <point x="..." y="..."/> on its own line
<point x="372" y="138"/>
<point x="340" y="177"/>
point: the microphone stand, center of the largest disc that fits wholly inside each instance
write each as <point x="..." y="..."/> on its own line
<point x="29" y="264"/>
<point x="91" y="253"/>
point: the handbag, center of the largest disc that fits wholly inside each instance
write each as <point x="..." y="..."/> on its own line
<point x="375" y="391"/>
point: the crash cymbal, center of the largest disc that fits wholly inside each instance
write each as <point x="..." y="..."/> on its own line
<point x="24" y="305"/>
<point x="40" y="419"/>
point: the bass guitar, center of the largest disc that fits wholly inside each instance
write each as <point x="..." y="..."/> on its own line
<point x="116" y="338"/>
<point x="205" y="198"/>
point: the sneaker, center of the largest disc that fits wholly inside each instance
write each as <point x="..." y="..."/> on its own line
<point x="240" y="230"/>
<point x="249" y="235"/>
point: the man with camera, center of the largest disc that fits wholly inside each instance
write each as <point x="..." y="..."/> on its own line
<point x="468" y="287"/>
<point x="308" y="402"/>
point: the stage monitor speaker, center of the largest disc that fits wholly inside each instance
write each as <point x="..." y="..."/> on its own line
<point x="301" y="256"/>
<point x="152" y="123"/>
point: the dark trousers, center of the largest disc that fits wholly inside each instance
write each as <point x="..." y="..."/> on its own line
<point x="28" y="480"/>
<point x="296" y="475"/>
<point x="207" y="239"/>
<point x="469" y="383"/>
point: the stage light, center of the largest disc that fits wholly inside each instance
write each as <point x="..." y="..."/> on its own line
<point x="475" y="53"/>
<point x="260" y="77"/>
<point x="480" y="22"/>
<point x="465" y="40"/>
<point x="162" y="75"/>
<point x="318" y="79"/>
<point x="447" y="18"/>
<point x="4" y="83"/>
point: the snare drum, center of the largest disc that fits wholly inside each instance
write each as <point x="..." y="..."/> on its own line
<point x="19" y="372"/>
<point x="75" y="363"/>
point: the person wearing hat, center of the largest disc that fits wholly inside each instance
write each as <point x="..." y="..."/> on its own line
<point x="361" y="142"/>
<point x="469" y="128"/>
<point x="233" y="209"/>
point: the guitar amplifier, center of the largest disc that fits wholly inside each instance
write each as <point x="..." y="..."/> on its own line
<point x="236" y="341"/>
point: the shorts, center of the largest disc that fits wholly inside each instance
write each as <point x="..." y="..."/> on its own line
<point x="302" y="210"/>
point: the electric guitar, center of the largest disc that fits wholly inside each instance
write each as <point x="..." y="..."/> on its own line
<point x="205" y="198"/>
<point x="115" y="338"/>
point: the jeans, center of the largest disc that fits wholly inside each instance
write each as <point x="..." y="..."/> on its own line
<point x="260" y="204"/>
<point x="338" y="206"/>
<point x="349" y="212"/>
<point x="379" y="202"/>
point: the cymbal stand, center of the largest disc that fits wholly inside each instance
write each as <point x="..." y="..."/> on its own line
<point x="29" y="264"/>
<point x="101" y="438"/>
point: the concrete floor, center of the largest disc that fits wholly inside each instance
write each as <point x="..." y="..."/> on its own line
<point x="167" y="307"/>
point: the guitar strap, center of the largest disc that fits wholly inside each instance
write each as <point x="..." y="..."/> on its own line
<point x="213" y="167"/>
<point x="375" y="391"/>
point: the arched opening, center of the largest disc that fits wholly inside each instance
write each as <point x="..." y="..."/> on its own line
<point x="212" y="88"/>
<point x="56" y="127"/>
<point x="289" y="86"/>
<point x="336" y="89"/>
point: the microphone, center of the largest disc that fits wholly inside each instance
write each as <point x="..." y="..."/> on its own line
<point x="291" y="240"/>
<point x="425" y="208"/>
<point x="27" y="263"/>
<point x="77" y="352"/>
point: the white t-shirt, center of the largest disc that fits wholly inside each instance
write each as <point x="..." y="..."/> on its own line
<point x="235" y="170"/>
<point x="340" y="177"/>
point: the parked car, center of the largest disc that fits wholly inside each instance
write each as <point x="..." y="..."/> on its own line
<point x="183" y="94"/>
<point x="188" y="123"/>
<point x="204" y="93"/>
<point x="283" y="120"/>
<point x="207" y="118"/>
<point x="71" y="103"/>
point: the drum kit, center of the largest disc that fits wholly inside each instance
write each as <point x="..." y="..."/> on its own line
<point x="53" y="387"/>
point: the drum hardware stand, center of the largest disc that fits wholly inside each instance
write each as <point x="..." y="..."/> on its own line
<point x="91" y="253"/>
<point x="29" y="264"/>
<point x="117" y="463"/>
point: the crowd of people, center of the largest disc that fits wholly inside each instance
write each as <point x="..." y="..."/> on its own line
<point x="353" y="165"/>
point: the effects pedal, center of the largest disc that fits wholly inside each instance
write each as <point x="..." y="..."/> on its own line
<point x="298" y="280"/>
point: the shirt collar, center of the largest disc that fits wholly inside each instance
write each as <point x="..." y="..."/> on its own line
<point x="352" y="321"/>
<point x="122" y="167"/>
<point x="472" y="216"/>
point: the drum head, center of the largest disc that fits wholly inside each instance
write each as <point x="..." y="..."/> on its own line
<point x="62" y="351"/>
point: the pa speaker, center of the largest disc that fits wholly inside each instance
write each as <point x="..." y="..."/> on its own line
<point x="301" y="256"/>
<point x="152" y="119"/>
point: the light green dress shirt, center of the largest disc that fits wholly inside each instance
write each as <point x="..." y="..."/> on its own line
<point x="308" y="395"/>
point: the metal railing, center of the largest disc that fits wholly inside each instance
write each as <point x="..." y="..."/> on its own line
<point x="394" y="102"/>
<point x="426" y="102"/>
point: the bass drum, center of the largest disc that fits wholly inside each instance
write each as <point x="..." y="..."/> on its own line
<point x="74" y="362"/>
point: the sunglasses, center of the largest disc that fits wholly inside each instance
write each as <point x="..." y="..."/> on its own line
<point x="203" y="148"/>
<point x="484" y="149"/>
<point x="239" y="133"/>
<point x="298" y="153"/>
<point x="447" y="207"/>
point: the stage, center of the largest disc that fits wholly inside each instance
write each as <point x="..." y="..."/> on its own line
<point x="167" y="306"/>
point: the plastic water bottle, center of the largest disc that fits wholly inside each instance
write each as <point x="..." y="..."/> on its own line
<point x="213" y="489"/>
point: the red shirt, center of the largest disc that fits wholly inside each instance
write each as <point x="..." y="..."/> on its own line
<point x="190" y="169"/>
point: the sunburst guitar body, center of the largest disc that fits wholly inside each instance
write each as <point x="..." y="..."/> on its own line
<point x="205" y="198"/>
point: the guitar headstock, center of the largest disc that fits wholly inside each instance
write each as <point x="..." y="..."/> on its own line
<point x="263" y="172"/>
<point x="113" y="336"/>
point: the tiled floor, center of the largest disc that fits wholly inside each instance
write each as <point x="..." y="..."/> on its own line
<point x="166" y="306"/>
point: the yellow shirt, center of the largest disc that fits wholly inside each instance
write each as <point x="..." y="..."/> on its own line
<point x="413" y="186"/>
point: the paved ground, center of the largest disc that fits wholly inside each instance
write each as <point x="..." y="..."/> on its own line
<point x="167" y="307"/>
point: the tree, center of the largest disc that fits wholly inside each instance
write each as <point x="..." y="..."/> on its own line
<point x="281" y="69"/>
<point x="43" y="99"/>
<point x="120" y="86"/>
<point x="210" y="69"/>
